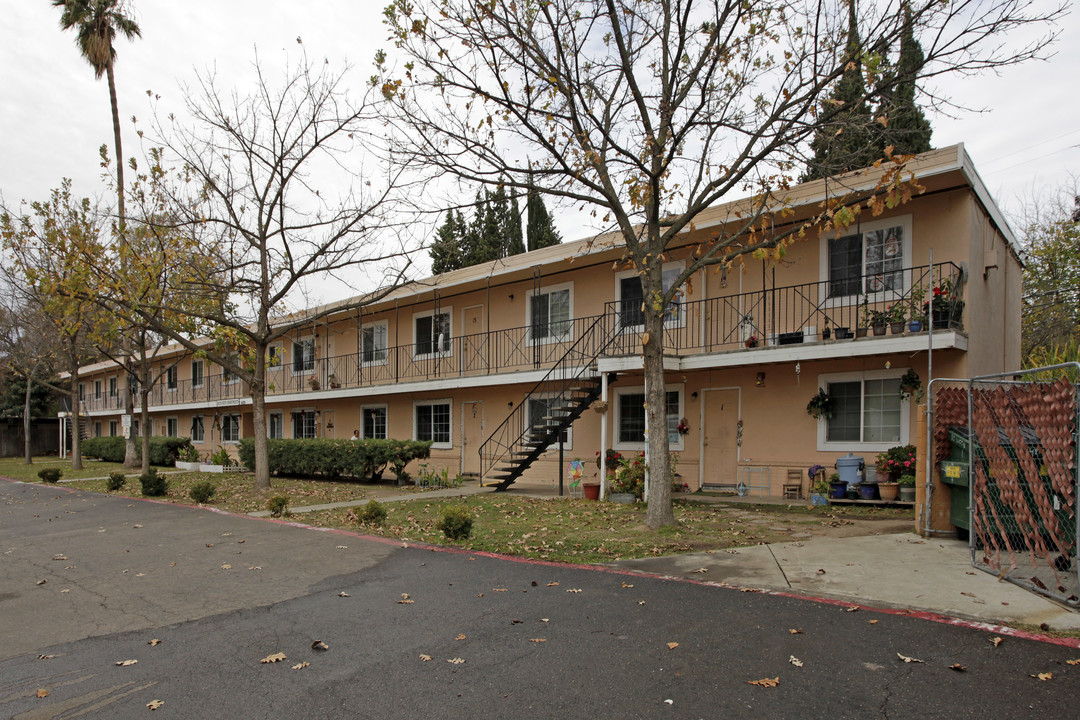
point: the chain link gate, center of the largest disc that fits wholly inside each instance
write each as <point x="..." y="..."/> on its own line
<point x="1022" y="461"/>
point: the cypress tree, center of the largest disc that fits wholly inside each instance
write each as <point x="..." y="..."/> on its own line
<point x="908" y="129"/>
<point x="847" y="141"/>
<point x="514" y="239"/>
<point x="445" y="251"/>
<point x="540" y="231"/>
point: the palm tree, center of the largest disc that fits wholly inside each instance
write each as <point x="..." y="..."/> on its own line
<point x="96" y="23"/>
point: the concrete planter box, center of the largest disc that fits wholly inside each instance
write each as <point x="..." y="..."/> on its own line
<point x="185" y="465"/>
<point x="622" y="498"/>
<point x="207" y="468"/>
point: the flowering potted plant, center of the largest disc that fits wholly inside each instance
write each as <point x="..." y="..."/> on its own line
<point x="907" y="488"/>
<point x="821" y="405"/>
<point x="313" y="381"/>
<point x="900" y="460"/>
<point x="627" y="484"/>
<point x="948" y="305"/>
<point x="751" y="342"/>
<point x="683" y="426"/>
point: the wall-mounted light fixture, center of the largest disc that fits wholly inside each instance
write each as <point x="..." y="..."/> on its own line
<point x="693" y="395"/>
<point x="760" y="380"/>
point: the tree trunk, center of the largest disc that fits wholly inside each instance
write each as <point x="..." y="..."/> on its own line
<point x="28" y="456"/>
<point x="659" y="512"/>
<point x="131" y="456"/>
<point x="76" y="440"/>
<point x="144" y="423"/>
<point x="258" y="422"/>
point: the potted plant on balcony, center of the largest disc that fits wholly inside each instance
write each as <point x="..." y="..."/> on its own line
<point x="916" y="318"/>
<point x="332" y="380"/>
<point x="948" y="306"/>
<point x="821" y="405"/>
<point x="864" y="318"/>
<point x="895" y="316"/>
<point x="313" y="382"/>
<point x="878" y="320"/>
<point x="826" y="331"/>
<point x="907" y="488"/>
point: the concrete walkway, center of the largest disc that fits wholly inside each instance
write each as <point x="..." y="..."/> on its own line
<point x="462" y="491"/>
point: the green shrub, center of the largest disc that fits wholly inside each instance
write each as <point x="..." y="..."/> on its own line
<point x="907" y="480"/>
<point x="202" y="491"/>
<point x="115" y="482"/>
<point x="50" y="475"/>
<point x="456" y="522"/>
<point x="163" y="450"/>
<point x="365" y="459"/>
<point x="221" y="457"/>
<point x="278" y="505"/>
<point x="188" y="453"/>
<point x="372" y="514"/>
<point x="153" y="485"/>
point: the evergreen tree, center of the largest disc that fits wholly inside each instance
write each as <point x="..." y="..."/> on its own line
<point x="908" y="130"/>
<point x="445" y="252"/>
<point x="514" y="239"/>
<point x="540" y="231"/>
<point x="847" y="140"/>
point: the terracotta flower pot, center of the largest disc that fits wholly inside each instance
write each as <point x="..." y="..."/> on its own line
<point x="889" y="490"/>
<point x="591" y="490"/>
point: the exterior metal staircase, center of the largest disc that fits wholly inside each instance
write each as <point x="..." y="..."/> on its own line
<point x="569" y="387"/>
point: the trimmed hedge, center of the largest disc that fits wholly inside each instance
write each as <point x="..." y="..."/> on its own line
<point x="163" y="450"/>
<point x="365" y="459"/>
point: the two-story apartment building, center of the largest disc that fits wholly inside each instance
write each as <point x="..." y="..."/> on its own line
<point x="551" y="340"/>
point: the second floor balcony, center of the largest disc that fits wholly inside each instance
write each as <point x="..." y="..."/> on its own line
<point x="759" y="320"/>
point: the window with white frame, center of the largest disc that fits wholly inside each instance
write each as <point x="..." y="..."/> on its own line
<point x="303" y="356"/>
<point x="630" y="417"/>
<point x="196" y="373"/>
<point x="631" y="298"/>
<point x="172" y="379"/>
<point x="275" y="428"/>
<point x="274" y="356"/>
<point x="868" y="258"/>
<point x="303" y="424"/>
<point x="432" y="332"/>
<point x="373" y="343"/>
<point x="541" y="408"/>
<point x="550" y="316"/>
<point x="172" y="427"/>
<point x="432" y="422"/>
<point x="198" y="429"/>
<point x="230" y="428"/>
<point x="868" y="412"/>
<point x="373" y="422"/>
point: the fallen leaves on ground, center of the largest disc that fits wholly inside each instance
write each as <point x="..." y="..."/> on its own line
<point x="699" y="571"/>
<point x="319" y="645"/>
<point x="672" y="645"/>
<point x="456" y="661"/>
<point x="1073" y="662"/>
<point x="640" y="602"/>
<point x="461" y="636"/>
<point x="42" y="692"/>
<point x="425" y="658"/>
<point x="301" y="665"/>
<point x="552" y="584"/>
<point x="627" y="585"/>
<point x="498" y="589"/>
<point x="795" y="631"/>
<point x="795" y="661"/>
<point x="275" y="658"/>
<point x="907" y="659"/>
<point x="405" y="599"/>
<point x="537" y="639"/>
<point x="1044" y="676"/>
<point x="765" y="682"/>
<point x="155" y="704"/>
<point x="125" y="663"/>
<point x="226" y="566"/>
<point x="851" y="608"/>
<point x="872" y="622"/>
<point x="45" y="657"/>
<point x="154" y="642"/>
<point x="574" y="590"/>
<point x="995" y="641"/>
<point x="958" y="667"/>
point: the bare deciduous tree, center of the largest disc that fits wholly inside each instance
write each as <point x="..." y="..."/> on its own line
<point x="650" y="111"/>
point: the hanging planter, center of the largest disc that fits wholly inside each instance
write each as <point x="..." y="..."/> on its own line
<point x="911" y="386"/>
<point x="821" y="405"/>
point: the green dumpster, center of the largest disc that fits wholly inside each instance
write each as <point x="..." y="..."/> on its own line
<point x="954" y="475"/>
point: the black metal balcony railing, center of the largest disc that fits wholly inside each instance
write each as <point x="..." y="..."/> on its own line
<point x="760" y="318"/>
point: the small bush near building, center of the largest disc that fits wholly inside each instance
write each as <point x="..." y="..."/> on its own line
<point x="202" y="491"/>
<point x="116" y="481"/>
<point x="371" y="514"/>
<point x="188" y="453"/>
<point x="153" y="485"/>
<point x="278" y="505"/>
<point x="50" y="475"/>
<point x="456" y="522"/>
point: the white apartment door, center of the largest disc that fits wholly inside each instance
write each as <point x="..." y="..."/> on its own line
<point x="719" y="427"/>
<point x="472" y="436"/>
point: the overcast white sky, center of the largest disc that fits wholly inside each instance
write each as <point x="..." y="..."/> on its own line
<point x="54" y="115"/>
